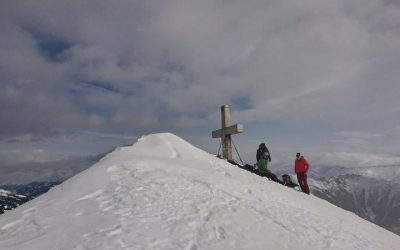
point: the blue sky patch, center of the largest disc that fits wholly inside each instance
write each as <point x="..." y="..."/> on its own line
<point x="50" y="46"/>
<point x="103" y="86"/>
<point x="240" y="103"/>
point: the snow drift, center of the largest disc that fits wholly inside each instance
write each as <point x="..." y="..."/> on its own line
<point x="163" y="193"/>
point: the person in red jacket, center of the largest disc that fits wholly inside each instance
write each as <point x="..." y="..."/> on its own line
<point x="301" y="168"/>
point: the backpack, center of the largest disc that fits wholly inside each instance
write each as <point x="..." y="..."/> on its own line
<point x="286" y="178"/>
<point x="287" y="181"/>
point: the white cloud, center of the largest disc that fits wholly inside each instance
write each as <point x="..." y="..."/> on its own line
<point x="354" y="159"/>
<point x="365" y="142"/>
<point x="166" y="66"/>
<point x="16" y="157"/>
<point x="358" y="134"/>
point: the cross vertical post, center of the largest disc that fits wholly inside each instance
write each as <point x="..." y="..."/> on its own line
<point x="226" y="131"/>
<point x="226" y="138"/>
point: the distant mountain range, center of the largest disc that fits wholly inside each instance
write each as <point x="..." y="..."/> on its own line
<point x="23" y="182"/>
<point x="11" y="196"/>
<point x="10" y="200"/>
<point x="372" y="193"/>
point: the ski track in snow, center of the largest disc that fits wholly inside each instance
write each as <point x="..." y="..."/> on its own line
<point x="181" y="198"/>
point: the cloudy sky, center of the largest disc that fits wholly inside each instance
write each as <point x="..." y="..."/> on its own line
<point x="81" y="77"/>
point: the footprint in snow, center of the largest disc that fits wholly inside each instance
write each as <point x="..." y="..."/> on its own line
<point x="220" y="232"/>
<point x="191" y="246"/>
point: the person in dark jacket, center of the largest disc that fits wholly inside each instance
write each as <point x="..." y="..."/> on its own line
<point x="261" y="150"/>
<point x="301" y="168"/>
<point x="263" y="158"/>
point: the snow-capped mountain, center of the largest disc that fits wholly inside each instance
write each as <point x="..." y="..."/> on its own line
<point x="163" y="193"/>
<point x="10" y="200"/>
<point x="12" y="196"/>
<point x="25" y="181"/>
<point x="373" y="193"/>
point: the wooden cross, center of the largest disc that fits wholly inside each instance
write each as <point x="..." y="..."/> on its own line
<point x="225" y="132"/>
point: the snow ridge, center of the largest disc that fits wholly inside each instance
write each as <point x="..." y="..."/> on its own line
<point x="163" y="193"/>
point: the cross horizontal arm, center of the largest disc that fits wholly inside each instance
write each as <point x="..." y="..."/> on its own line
<point x="234" y="129"/>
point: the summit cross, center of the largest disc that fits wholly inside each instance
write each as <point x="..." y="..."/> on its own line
<point x="225" y="132"/>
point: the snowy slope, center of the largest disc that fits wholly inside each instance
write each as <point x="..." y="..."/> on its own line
<point x="163" y="193"/>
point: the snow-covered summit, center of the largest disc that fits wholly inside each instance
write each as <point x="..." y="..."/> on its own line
<point x="163" y="193"/>
<point x="4" y="192"/>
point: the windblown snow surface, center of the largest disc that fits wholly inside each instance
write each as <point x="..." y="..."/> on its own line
<point x="163" y="193"/>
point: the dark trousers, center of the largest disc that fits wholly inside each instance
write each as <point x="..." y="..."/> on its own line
<point x="302" y="179"/>
<point x="271" y="176"/>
